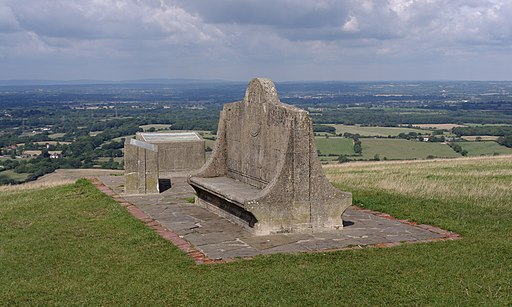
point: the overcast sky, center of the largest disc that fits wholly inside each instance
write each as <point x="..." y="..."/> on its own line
<point x="240" y="39"/>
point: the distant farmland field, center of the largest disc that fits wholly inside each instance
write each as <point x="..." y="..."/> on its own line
<point x="334" y="146"/>
<point x="14" y="176"/>
<point x="487" y="148"/>
<point x="482" y="137"/>
<point x="438" y="126"/>
<point x="375" y="131"/>
<point x="404" y="149"/>
<point x="158" y="127"/>
<point x="56" y="135"/>
<point x="95" y="133"/>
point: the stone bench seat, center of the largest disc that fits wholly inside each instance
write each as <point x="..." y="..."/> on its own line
<point x="228" y="189"/>
<point x="264" y="172"/>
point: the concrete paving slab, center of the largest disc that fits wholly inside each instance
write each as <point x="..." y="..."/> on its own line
<point x="218" y="238"/>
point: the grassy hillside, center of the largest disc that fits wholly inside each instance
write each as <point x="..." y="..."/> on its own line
<point x="73" y="245"/>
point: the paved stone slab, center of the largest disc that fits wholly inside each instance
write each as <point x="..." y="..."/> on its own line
<point x="218" y="238"/>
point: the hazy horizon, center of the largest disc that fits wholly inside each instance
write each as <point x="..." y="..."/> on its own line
<point x="4" y="82"/>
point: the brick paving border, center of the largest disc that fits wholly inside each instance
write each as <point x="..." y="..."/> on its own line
<point x="201" y="258"/>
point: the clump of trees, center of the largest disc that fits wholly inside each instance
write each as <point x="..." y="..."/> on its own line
<point x="343" y="159"/>
<point x="358" y="148"/>
<point x="324" y="128"/>
<point x="408" y="136"/>
<point x="458" y="149"/>
<point x="505" y="140"/>
<point x="483" y="130"/>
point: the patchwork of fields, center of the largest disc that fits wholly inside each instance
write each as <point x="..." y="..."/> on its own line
<point x="375" y="143"/>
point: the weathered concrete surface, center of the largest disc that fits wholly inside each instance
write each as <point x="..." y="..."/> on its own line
<point x="218" y="238"/>
<point x="264" y="172"/>
<point x="177" y="151"/>
<point x="141" y="167"/>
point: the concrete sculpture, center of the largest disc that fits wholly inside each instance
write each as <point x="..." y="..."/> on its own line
<point x="264" y="172"/>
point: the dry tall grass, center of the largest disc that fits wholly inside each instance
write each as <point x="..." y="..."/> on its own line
<point x="57" y="178"/>
<point x="34" y="185"/>
<point x="486" y="181"/>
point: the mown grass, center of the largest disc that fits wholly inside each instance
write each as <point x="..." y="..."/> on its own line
<point x="487" y="148"/>
<point x="334" y="146"/>
<point x="73" y="245"/>
<point x="396" y="149"/>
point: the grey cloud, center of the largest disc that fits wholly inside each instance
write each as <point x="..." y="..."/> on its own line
<point x="89" y="19"/>
<point x="223" y="38"/>
<point x="8" y="22"/>
<point x="356" y="19"/>
<point x="276" y="13"/>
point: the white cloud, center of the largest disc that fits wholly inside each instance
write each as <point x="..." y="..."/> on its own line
<point x="351" y="25"/>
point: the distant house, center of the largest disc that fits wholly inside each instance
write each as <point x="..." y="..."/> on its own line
<point x="55" y="154"/>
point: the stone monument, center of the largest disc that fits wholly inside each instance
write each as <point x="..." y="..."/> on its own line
<point x="140" y="167"/>
<point x="264" y="172"/>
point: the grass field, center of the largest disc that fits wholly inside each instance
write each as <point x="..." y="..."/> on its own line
<point x="484" y="181"/>
<point x="14" y="176"/>
<point x="438" y="126"/>
<point x="376" y="131"/>
<point x="56" y="135"/>
<point x="95" y="133"/>
<point x="118" y="139"/>
<point x="395" y="149"/>
<point x="488" y="148"/>
<point x="106" y="159"/>
<point x="485" y="125"/>
<point x="52" y="143"/>
<point x="334" y="146"/>
<point x="482" y="137"/>
<point x="158" y="127"/>
<point x="72" y="245"/>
